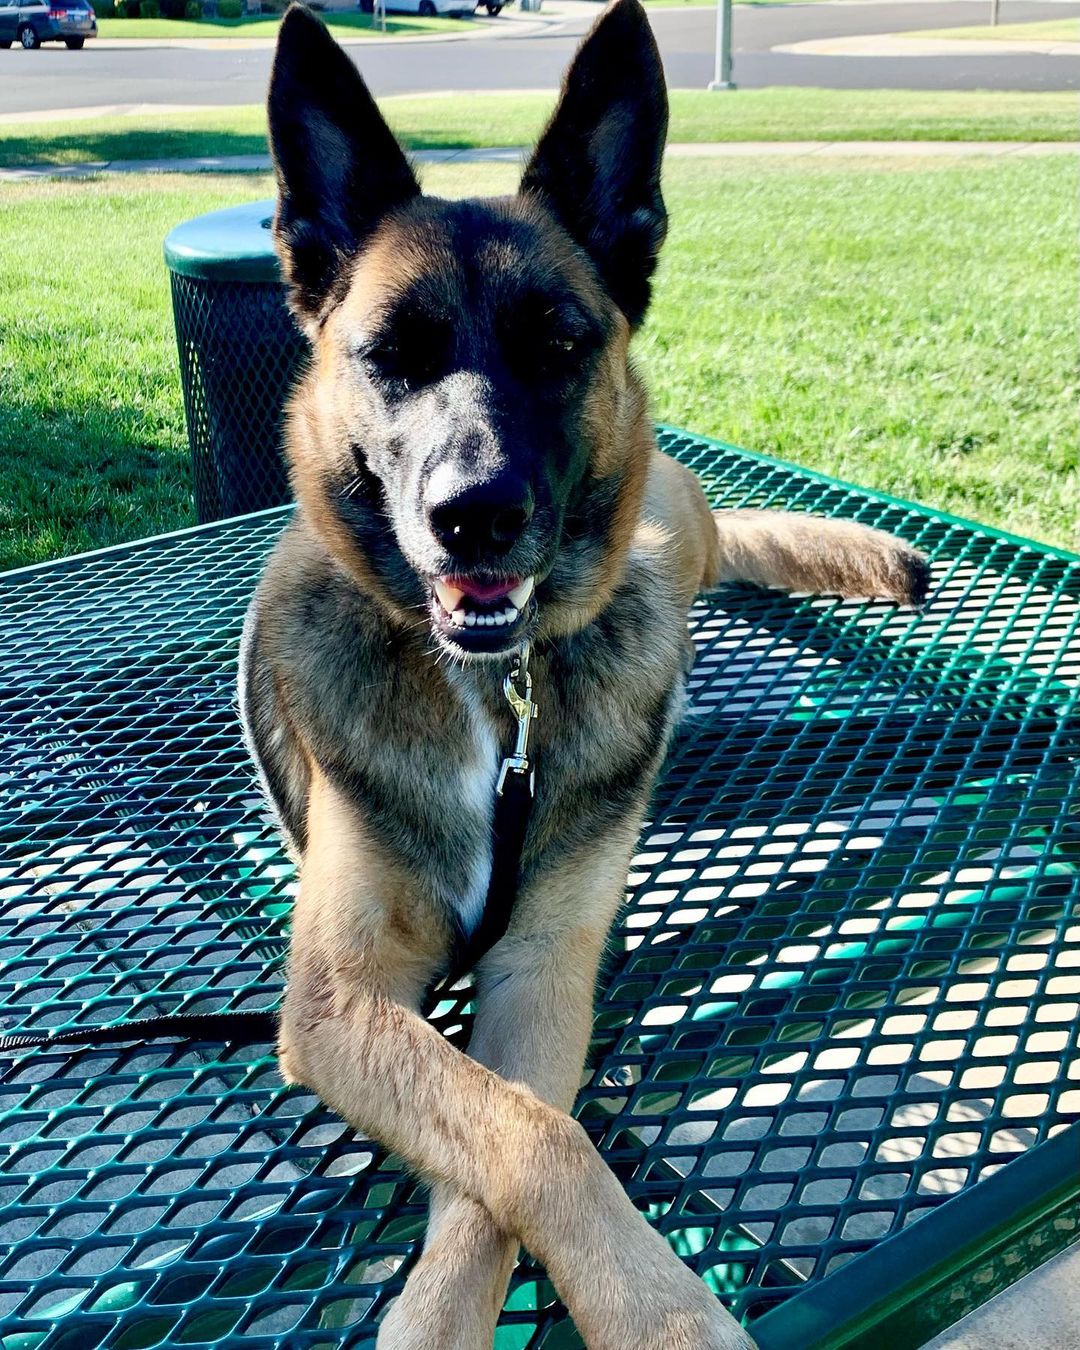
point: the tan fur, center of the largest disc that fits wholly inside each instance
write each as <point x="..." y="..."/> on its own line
<point x="781" y="549"/>
<point x="804" y="553"/>
<point x="674" y="499"/>
<point x="313" y="413"/>
<point x="624" y="445"/>
<point x="513" y="1167"/>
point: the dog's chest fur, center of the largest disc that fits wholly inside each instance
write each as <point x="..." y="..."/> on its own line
<point x="416" y="744"/>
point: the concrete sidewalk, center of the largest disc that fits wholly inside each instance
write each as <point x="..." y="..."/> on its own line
<point x="900" y="44"/>
<point x="1042" y="1309"/>
<point x="513" y="154"/>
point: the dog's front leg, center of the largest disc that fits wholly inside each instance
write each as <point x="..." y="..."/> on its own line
<point x="533" y="1024"/>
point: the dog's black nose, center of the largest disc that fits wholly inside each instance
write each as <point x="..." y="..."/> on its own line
<point x="482" y="519"/>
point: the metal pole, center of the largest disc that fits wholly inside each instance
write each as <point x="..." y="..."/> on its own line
<point x="995" y="6"/>
<point x="722" y="68"/>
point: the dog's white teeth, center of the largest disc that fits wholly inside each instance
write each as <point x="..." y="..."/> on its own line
<point x="519" y="596"/>
<point x="449" y="596"/>
<point x="469" y="618"/>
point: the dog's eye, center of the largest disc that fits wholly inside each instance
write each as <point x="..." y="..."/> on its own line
<point x="562" y="351"/>
<point x="405" y="360"/>
<point x="381" y="354"/>
<point x="547" y="339"/>
<point x="407" y="347"/>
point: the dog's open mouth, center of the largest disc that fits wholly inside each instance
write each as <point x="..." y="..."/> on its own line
<point x="481" y="614"/>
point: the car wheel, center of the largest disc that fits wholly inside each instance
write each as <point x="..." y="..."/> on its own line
<point x="493" y="10"/>
<point x="427" y="9"/>
<point x="29" y="38"/>
<point x="74" y="44"/>
<point x="367" y="6"/>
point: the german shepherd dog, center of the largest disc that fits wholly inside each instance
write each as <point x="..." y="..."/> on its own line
<point x="477" y="477"/>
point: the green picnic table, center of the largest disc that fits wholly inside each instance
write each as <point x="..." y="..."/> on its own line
<point x="833" y="1045"/>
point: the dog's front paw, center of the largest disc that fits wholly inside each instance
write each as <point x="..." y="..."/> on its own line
<point x="849" y="559"/>
<point x="436" y="1321"/>
<point x="904" y="571"/>
<point x="675" y="1321"/>
<point x="843" y="557"/>
<point x="816" y="555"/>
<point x="667" y="1309"/>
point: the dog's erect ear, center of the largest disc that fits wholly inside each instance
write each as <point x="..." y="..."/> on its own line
<point x="339" y="168"/>
<point x="598" y="163"/>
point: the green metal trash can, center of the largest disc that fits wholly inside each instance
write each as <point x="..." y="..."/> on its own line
<point x="240" y="350"/>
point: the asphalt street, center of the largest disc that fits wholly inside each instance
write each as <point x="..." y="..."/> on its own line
<point x="56" y="78"/>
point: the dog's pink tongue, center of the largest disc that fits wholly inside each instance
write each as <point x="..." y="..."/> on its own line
<point x="478" y="590"/>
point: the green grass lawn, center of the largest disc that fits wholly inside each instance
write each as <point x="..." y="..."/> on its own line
<point x="344" y="25"/>
<point x="1046" y="30"/>
<point x="910" y="325"/>
<point x="450" y="121"/>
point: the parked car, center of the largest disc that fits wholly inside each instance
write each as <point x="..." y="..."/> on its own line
<point x="32" y="22"/>
<point x="454" y="9"/>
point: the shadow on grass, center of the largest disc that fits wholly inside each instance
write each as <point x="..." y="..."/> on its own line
<point x="107" y="145"/>
<point x="97" y="144"/>
<point x="87" y="474"/>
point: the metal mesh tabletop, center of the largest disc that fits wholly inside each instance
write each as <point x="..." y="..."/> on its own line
<point x="842" y="1011"/>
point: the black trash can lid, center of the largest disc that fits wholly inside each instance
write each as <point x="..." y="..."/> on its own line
<point x="230" y="245"/>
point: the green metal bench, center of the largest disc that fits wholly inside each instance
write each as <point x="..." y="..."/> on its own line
<point x="833" y="1051"/>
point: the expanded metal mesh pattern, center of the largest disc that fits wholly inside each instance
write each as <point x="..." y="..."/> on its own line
<point x="239" y="352"/>
<point x="847" y="988"/>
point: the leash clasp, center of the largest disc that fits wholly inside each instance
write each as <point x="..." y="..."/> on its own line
<point x="524" y="710"/>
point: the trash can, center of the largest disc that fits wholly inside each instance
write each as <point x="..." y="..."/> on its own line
<point x="240" y="350"/>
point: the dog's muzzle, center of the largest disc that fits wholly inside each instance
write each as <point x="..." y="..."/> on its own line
<point x="482" y="615"/>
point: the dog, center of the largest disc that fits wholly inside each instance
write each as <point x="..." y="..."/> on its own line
<point x="481" y="502"/>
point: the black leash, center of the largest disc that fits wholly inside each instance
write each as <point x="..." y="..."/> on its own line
<point x="238" y="1028"/>
<point x="513" y="804"/>
<point x="511" y="822"/>
<point x="514" y="792"/>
